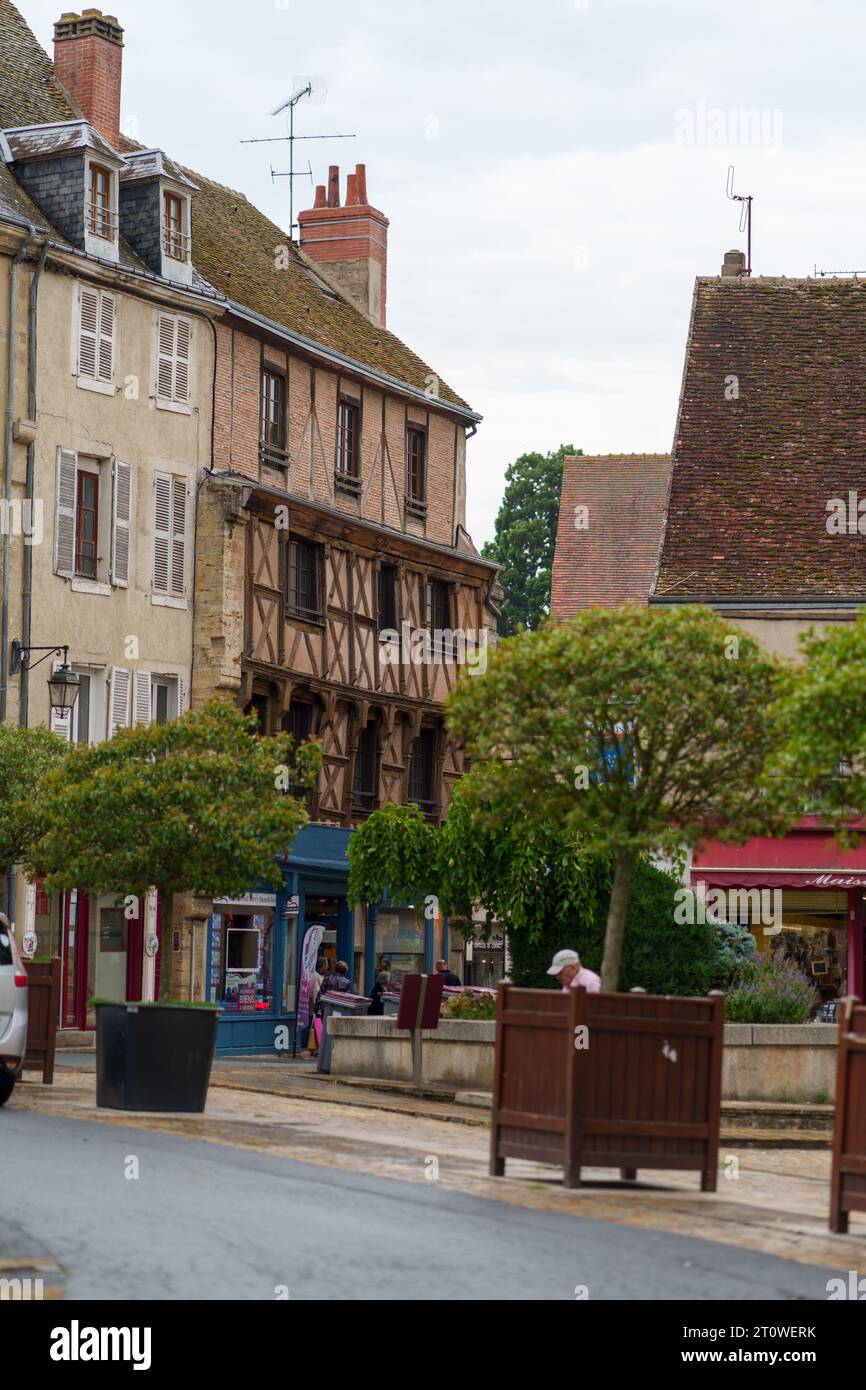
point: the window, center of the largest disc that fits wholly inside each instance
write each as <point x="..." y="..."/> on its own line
<point x="299" y="723"/>
<point x="175" y="238"/>
<point x="366" y="769"/>
<point x="85" y="722"/>
<point x="86" y="523"/>
<point x="273" y="425"/>
<point x="416" y="471"/>
<point x="438" y="605"/>
<point x="258" y="706"/>
<point x="101" y="220"/>
<point x="422" y="770"/>
<point x="96" y="319"/>
<point x="348" y="473"/>
<point x="174" y="337"/>
<point x="169" y="553"/>
<point x="93" y="501"/>
<point x="118" y="703"/>
<point x="242" y="956"/>
<point x="302" y="589"/>
<point x="388" y="597"/>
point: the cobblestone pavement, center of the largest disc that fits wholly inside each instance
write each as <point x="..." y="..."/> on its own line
<point x="773" y="1200"/>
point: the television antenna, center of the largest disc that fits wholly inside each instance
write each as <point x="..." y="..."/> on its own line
<point x="745" y="215"/>
<point x="305" y="89"/>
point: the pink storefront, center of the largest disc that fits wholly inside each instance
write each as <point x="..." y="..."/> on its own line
<point x="818" y="891"/>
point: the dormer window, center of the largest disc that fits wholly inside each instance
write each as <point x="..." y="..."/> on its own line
<point x="175" y="237"/>
<point x="101" y="220"/>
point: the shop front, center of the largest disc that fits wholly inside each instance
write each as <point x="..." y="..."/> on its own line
<point x="802" y="896"/>
<point x="256" y="943"/>
<point x="101" y="946"/>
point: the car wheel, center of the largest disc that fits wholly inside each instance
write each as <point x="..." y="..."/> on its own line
<point x="7" y="1086"/>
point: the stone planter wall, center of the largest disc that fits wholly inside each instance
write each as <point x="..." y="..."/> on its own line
<point x="762" y="1061"/>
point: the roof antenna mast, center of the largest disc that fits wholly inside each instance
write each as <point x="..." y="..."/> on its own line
<point x="305" y="89"/>
<point x="745" y="215"/>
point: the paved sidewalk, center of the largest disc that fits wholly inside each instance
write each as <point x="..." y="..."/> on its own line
<point x="771" y="1200"/>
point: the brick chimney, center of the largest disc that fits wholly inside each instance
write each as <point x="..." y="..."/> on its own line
<point x="349" y="241"/>
<point x="88" y="56"/>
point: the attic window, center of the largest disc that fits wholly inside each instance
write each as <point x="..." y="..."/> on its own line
<point x="175" y="235"/>
<point x="101" y="219"/>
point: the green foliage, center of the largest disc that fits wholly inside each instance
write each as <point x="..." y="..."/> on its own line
<point x="635" y="729"/>
<point x="525" y="536"/>
<point x="769" y="989"/>
<point x="25" y="757"/>
<point x="191" y="806"/>
<point x="393" y="851"/>
<point x="735" y="944"/>
<point x="658" y="955"/>
<point x="468" y="1005"/>
<point x="822" y="708"/>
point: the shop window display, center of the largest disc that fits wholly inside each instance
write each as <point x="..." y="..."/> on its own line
<point x="242" y="949"/>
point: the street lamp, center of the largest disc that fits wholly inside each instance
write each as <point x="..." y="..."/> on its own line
<point x="63" y="685"/>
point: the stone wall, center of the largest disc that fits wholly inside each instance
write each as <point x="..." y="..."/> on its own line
<point x="762" y="1062"/>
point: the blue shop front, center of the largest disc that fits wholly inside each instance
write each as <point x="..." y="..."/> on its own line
<point x="255" y="942"/>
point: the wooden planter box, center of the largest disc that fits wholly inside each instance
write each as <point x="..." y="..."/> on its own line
<point x="43" y="1011"/>
<point x="848" y="1183"/>
<point x="622" y="1081"/>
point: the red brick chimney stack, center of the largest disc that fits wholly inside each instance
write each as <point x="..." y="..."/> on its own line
<point x="350" y="240"/>
<point x="88" y="59"/>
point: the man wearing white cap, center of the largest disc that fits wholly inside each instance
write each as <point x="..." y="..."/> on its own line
<point x="571" y="974"/>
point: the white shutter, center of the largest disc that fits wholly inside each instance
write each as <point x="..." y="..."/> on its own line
<point x="181" y="361"/>
<point x="165" y="357"/>
<point x="121" y="518"/>
<point x="178" y="534"/>
<point x="161" y="532"/>
<point x="118" y="710"/>
<point x="88" y="331"/>
<point x="181" y="696"/>
<point x="64" y="512"/>
<point x="141" y="711"/>
<point x="61" y="721"/>
<point x="106" y="336"/>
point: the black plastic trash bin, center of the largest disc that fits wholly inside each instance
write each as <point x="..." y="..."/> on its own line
<point x="344" y="1005"/>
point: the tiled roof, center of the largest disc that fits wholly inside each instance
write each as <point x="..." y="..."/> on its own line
<point x="772" y="426"/>
<point x="606" y="555"/>
<point x="238" y="250"/>
<point x="235" y="248"/>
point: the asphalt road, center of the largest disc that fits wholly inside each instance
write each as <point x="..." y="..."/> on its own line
<point x="207" y="1221"/>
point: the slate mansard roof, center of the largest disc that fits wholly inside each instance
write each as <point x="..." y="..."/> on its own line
<point x="771" y="427"/>
<point x="234" y="246"/>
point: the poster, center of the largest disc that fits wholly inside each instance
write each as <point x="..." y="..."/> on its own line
<point x="309" y="956"/>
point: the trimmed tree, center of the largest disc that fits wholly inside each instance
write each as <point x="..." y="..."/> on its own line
<point x="200" y="805"/>
<point x="635" y="730"/>
<point x="25" y="757"/>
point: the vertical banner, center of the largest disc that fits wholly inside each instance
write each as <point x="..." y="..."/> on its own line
<point x="309" y="955"/>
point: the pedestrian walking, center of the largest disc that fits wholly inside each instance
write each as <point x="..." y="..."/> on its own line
<point x="566" y="967"/>
<point x="448" y="976"/>
<point x="377" y="1007"/>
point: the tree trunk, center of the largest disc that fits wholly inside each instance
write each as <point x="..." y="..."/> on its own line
<point x="615" y="930"/>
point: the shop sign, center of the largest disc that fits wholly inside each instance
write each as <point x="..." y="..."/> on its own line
<point x="249" y="900"/>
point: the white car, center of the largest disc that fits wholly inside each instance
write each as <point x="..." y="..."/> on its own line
<point x="13" y="1011"/>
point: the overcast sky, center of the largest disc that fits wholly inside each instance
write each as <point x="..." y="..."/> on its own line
<point x="554" y="173"/>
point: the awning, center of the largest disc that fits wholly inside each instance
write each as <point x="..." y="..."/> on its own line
<point x="805" y="858"/>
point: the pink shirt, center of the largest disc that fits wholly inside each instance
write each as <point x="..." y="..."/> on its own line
<point x="588" y="979"/>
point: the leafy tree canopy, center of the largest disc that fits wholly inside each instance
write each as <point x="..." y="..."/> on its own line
<point x="197" y="805"/>
<point x="525" y="536"/>
<point x="634" y="729"/>
<point x="25" y="757"/>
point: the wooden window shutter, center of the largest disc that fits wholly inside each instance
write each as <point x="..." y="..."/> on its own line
<point x="178" y="535"/>
<point x="88" y="331"/>
<point x="118" y="710"/>
<point x="162" y="532"/>
<point x="106" y="337"/>
<point x="61" y="721"/>
<point x="141" y="697"/>
<point x="64" y="513"/>
<point x="121" y="519"/>
<point x="181" y="360"/>
<point x="181" y="696"/>
<point x="165" y="358"/>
